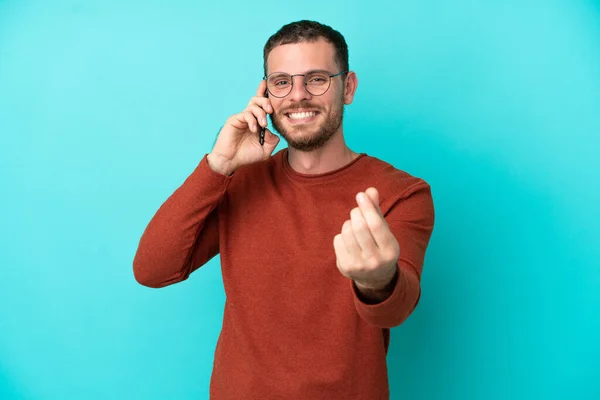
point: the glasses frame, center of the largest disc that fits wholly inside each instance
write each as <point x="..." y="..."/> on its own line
<point x="266" y="77"/>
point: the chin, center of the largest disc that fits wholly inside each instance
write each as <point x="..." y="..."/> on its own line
<point x="307" y="141"/>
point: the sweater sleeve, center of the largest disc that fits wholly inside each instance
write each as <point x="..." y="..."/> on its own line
<point x="183" y="234"/>
<point x="411" y="221"/>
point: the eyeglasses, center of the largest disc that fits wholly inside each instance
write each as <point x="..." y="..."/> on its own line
<point x="279" y="84"/>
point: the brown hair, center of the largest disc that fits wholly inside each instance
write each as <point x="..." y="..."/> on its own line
<point x="308" y="31"/>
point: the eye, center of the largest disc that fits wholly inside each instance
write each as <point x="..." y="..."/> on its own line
<point x="317" y="79"/>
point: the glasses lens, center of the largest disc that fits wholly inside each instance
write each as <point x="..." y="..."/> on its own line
<point x="317" y="82"/>
<point x="279" y="84"/>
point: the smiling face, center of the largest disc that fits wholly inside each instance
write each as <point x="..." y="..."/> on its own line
<point x="306" y="121"/>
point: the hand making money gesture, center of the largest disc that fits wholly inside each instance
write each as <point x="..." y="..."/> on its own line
<point x="366" y="249"/>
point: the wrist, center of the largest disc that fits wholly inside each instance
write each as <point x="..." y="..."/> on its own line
<point x="217" y="165"/>
<point x="382" y="282"/>
<point x="377" y="293"/>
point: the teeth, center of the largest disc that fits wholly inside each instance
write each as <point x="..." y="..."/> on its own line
<point x="302" y="115"/>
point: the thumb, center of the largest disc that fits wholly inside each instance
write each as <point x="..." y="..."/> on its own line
<point x="271" y="141"/>
<point x="374" y="196"/>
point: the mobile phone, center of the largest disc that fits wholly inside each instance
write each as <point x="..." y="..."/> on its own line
<point x="262" y="130"/>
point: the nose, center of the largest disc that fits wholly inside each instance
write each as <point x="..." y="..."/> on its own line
<point x="299" y="91"/>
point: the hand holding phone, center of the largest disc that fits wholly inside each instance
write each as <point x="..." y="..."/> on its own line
<point x="236" y="143"/>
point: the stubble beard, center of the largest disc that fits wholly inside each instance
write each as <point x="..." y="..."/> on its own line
<point x="302" y="138"/>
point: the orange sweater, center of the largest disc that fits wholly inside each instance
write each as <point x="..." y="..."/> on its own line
<point x="294" y="327"/>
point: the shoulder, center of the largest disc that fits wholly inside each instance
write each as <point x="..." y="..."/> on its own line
<point x="402" y="196"/>
<point x="392" y="180"/>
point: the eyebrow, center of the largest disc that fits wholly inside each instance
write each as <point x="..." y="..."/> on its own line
<point x="307" y="72"/>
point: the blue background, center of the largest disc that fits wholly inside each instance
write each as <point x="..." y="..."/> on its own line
<point x="106" y="107"/>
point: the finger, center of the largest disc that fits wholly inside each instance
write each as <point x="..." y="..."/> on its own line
<point x="341" y="252"/>
<point x="362" y="233"/>
<point x="373" y="194"/>
<point x="261" y="99"/>
<point x="262" y="102"/>
<point x="259" y="114"/>
<point x="262" y="88"/>
<point x="350" y="241"/>
<point x="238" y="121"/>
<point x="249" y="119"/>
<point x="377" y="224"/>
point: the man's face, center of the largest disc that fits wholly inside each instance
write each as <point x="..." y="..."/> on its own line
<point x="306" y="121"/>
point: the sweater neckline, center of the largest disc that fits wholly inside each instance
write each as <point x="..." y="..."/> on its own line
<point x="317" y="178"/>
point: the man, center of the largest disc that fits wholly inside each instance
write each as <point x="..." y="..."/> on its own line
<point x="321" y="247"/>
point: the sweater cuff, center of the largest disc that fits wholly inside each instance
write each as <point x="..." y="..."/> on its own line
<point x="396" y="308"/>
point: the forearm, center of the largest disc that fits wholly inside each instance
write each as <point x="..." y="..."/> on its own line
<point x="183" y="233"/>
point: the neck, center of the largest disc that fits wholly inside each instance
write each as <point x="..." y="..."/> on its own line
<point x="331" y="156"/>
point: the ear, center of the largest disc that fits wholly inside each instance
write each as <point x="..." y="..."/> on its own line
<point x="351" y="83"/>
